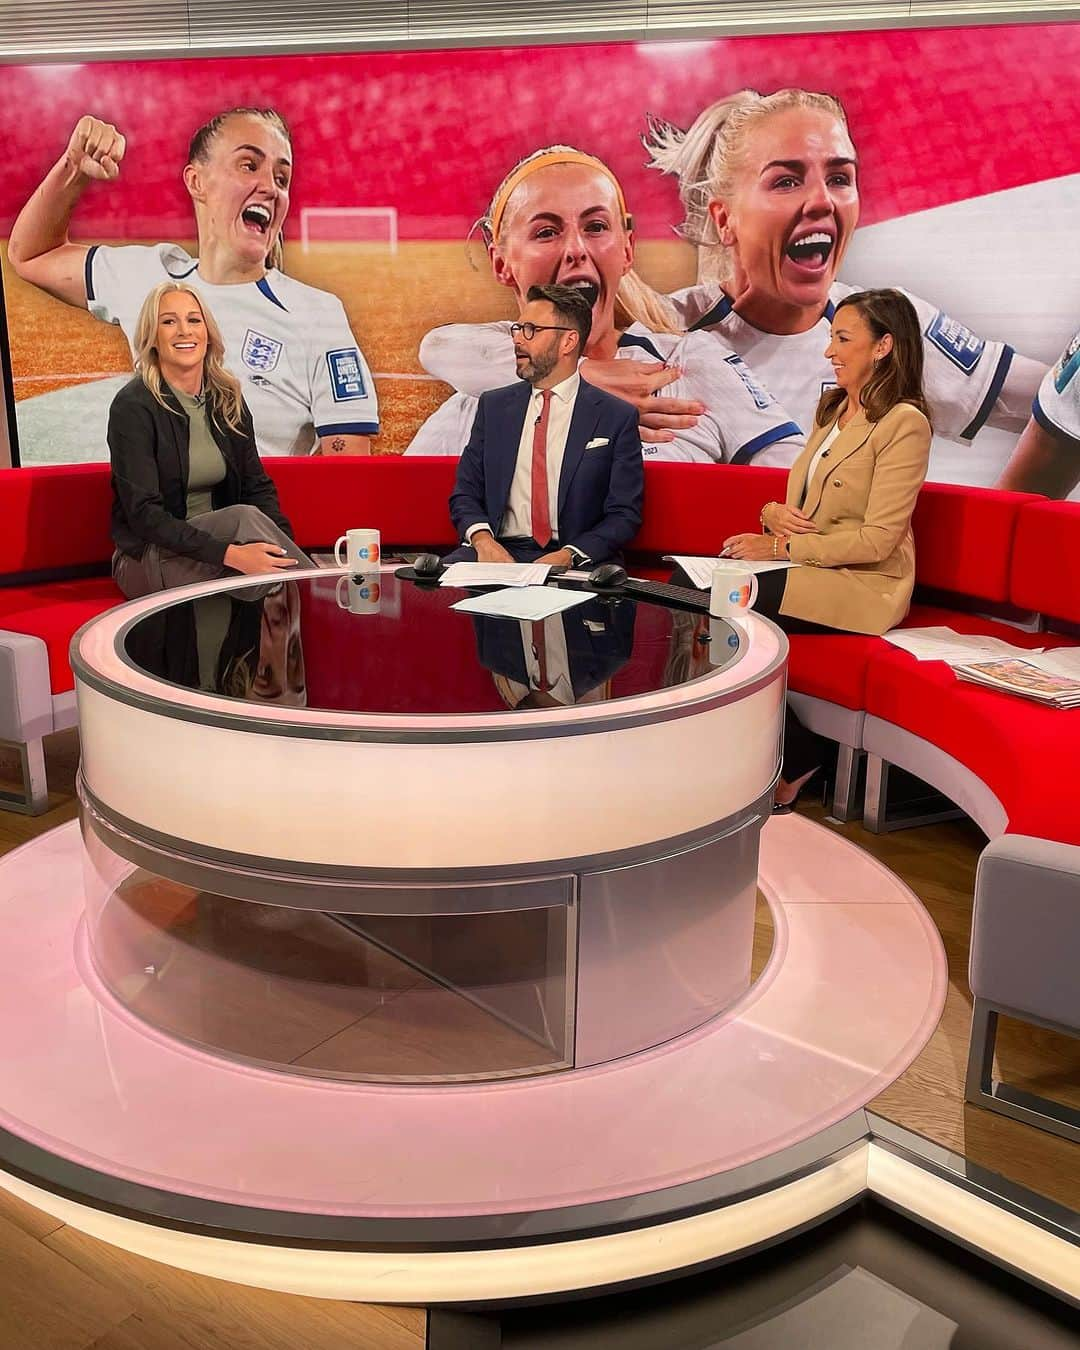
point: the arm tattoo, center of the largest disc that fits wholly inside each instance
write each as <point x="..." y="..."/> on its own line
<point x="338" y="445"/>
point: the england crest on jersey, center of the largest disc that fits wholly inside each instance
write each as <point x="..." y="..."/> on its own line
<point x="259" y="351"/>
<point x="1067" y="367"/>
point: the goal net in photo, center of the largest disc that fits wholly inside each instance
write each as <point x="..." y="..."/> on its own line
<point x="349" y="225"/>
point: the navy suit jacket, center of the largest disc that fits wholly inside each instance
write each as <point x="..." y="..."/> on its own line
<point x="599" y="642"/>
<point x="600" y="490"/>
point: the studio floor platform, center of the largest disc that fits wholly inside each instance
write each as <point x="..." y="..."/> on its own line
<point x="650" y="1164"/>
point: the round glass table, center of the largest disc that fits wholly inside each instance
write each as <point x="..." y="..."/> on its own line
<point x="339" y="827"/>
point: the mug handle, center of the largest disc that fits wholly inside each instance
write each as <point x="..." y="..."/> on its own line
<point x="342" y="581"/>
<point x="337" y="550"/>
<point x="753" y="590"/>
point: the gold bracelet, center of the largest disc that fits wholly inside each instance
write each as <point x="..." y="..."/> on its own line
<point x="775" y="541"/>
<point x="761" y="518"/>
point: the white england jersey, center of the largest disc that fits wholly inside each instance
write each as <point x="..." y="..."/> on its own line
<point x="290" y="345"/>
<point x="969" y="381"/>
<point x="743" y="423"/>
<point x="1057" y="404"/>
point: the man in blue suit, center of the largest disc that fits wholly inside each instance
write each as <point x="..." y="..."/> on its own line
<point x="552" y="471"/>
<point x="578" y="652"/>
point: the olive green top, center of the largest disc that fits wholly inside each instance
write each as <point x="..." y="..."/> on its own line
<point x="206" y="464"/>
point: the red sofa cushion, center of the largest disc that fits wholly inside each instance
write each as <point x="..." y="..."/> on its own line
<point x="54" y="611"/>
<point x="1006" y="741"/>
<point x="834" y="667"/>
<point x="406" y="500"/>
<point x="692" y="508"/>
<point x="1046" y="560"/>
<point x="964" y="539"/>
<point x="54" y="515"/>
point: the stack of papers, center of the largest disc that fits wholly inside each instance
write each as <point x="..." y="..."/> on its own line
<point x="943" y="644"/>
<point x="523" y="602"/>
<point x="495" y="574"/>
<point x="700" y="570"/>
<point x="1052" y="679"/>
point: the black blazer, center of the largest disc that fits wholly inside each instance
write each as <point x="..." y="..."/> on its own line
<point x="602" y="484"/>
<point x="148" y="450"/>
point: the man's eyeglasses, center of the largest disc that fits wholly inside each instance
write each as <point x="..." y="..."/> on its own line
<point x="529" y="330"/>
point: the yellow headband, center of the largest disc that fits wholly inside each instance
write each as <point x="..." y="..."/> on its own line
<point x="530" y="166"/>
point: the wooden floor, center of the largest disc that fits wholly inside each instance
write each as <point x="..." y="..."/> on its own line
<point x="60" y="1290"/>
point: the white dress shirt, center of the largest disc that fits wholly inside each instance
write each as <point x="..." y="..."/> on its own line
<point x="517" y="519"/>
<point x="557" y="667"/>
<point x="819" y="454"/>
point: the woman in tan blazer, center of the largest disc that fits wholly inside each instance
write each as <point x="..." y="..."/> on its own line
<point x="850" y="495"/>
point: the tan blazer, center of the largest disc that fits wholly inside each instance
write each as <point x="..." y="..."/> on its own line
<point x="861" y="567"/>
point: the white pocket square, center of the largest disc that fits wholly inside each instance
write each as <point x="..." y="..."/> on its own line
<point x="600" y="440"/>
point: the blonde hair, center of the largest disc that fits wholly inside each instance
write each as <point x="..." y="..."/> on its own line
<point x="222" y="388"/>
<point x="204" y="136"/>
<point x="706" y="157"/>
<point x="635" y="300"/>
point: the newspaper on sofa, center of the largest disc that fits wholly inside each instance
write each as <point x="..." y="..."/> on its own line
<point x="1052" y="678"/>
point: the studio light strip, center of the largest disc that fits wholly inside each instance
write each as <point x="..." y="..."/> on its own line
<point x="549" y="1269"/>
<point x="41" y="30"/>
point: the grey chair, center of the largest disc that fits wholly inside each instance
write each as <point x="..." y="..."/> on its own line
<point x="1025" y="963"/>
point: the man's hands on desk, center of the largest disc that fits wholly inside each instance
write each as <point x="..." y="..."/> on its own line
<point x="489" y="550"/>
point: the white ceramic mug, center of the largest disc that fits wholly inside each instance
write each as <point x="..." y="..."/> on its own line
<point x="362" y="551"/>
<point x="362" y="596"/>
<point x="734" y="590"/>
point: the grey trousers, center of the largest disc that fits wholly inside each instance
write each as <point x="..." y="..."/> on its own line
<point x="159" y="569"/>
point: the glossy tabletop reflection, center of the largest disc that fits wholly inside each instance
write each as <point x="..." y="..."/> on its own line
<point x="383" y="645"/>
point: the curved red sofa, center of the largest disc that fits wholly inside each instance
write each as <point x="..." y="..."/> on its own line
<point x="986" y="561"/>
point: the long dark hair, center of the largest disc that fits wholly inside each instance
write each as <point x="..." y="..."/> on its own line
<point x="898" y="376"/>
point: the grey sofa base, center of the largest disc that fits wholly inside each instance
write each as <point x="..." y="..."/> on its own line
<point x="981" y="1088"/>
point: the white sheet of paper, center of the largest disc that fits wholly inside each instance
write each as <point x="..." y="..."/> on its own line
<point x="945" y="644"/>
<point x="523" y="602"/>
<point x="495" y="574"/>
<point x="700" y="570"/>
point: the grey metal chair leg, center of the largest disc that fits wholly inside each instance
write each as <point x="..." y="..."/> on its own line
<point x="981" y="1088"/>
<point x="929" y="809"/>
<point x="877" y="791"/>
<point x="34" y="798"/>
<point x="845" y="789"/>
<point x="980" y="1065"/>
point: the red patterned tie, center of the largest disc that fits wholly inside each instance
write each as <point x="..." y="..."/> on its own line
<point x="539" y="642"/>
<point x="541" y="506"/>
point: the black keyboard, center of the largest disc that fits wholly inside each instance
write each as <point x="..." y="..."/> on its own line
<point x="659" y="592"/>
<point x="664" y="593"/>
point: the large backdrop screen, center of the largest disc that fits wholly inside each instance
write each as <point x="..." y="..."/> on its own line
<point x="964" y="191"/>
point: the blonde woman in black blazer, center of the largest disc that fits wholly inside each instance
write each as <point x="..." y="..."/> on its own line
<point x="191" y="499"/>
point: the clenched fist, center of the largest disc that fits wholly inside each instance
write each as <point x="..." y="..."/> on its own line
<point x="95" y="149"/>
